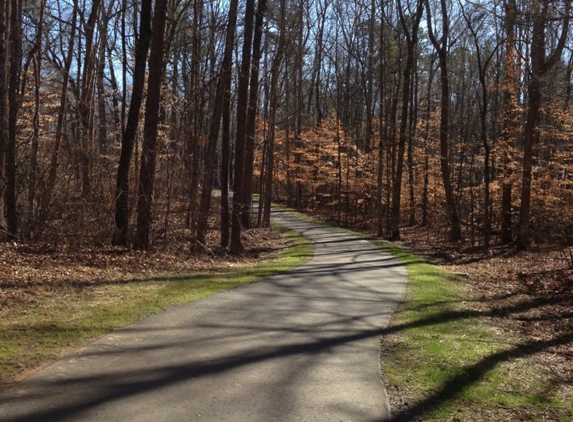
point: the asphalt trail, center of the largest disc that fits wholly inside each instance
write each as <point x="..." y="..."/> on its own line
<point x="302" y="346"/>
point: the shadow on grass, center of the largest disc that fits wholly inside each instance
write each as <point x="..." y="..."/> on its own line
<point x="472" y="374"/>
<point x="113" y="386"/>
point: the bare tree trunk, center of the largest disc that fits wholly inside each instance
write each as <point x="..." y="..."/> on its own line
<point x="383" y="126"/>
<point x="411" y="135"/>
<point x="483" y="64"/>
<point x="273" y="100"/>
<point x="242" y="107"/>
<point x="37" y="61"/>
<point x="121" y="237"/>
<point x="252" y="114"/>
<point x="412" y="41"/>
<point x="54" y="162"/>
<point x="508" y="121"/>
<point x="15" y="64"/>
<point x="226" y="159"/>
<point x="142" y="239"/>
<point x="425" y="193"/>
<point x="101" y="101"/>
<point x="193" y="118"/>
<point x="86" y="100"/>
<point x="288" y="144"/>
<point x="539" y="67"/>
<point x="226" y="166"/>
<point x="3" y="99"/>
<point x="117" y="117"/>
<point x="315" y="82"/>
<point x="218" y="108"/>
<point x="369" y="96"/>
<point x="441" y="47"/>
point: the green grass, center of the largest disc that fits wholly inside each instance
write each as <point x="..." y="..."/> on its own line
<point x="448" y="360"/>
<point x="35" y="334"/>
<point x="454" y="366"/>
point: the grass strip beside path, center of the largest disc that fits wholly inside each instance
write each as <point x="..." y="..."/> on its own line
<point x="34" y="335"/>
<point x="444" y="361"/>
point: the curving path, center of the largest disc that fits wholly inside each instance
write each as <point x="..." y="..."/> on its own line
<point x="299" y="347"/>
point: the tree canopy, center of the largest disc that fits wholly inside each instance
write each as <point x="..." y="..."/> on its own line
<point x="115" y="116"/>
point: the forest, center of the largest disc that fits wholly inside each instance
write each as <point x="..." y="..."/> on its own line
<point x="120" y="121"/>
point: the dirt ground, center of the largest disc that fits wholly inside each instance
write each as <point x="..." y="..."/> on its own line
<point x="31" y="272"/>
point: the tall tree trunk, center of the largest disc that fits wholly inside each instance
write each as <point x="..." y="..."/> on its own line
<point x="121" y="237"/>
<point x="383" y="126"/>
<point x="483" y="64"/>
<point x="288" y="145"/>
<point x="101" y="90"/>
<point x="86" y="103"/>
<point x="194" y="116"/>
<point x="426" y="186"/>
<point x="441" y="47"/>
<point x="54" y="162"/>
<point x="315" y="82"/>
<point x="115" y="97"/>
<point x="252" y="114"/>
<point x="426" y="136"/>
<point x="539" y="67"/>
<point x="124" y="52"/>
<point x="242" y="106"/>
<point x="273" y="106"/>
<point x="411" y="135"/>
<point x="226" y="167"/>
<point x="15" y="65"/>
<point x="35" y="54"/>
<point x="412" y="41"/>
<point x="142" y="239"/>
<point x="3" y="97"/>
<point x="298" y="76"/>
<point x="509" y="128"/>
<point x="218" y="107"/>
<point x="369" y="94"/>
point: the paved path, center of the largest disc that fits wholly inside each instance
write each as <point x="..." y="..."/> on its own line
<point x="299" y="347"/>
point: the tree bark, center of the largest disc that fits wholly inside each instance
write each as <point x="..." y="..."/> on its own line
<point x="383" y="127"/>
<point x="193" y="118"/>
<point x="121" y="237"/>
<point x="412" y="41"/>
<point x="214" y="128"/>
<point x="273" y="100"/>
<point x="3" y="95"/>
<point x="252" y="115"/>
<point x="508" y="121"/>
<point x="483" y="64"/>
<point x="441" y="47"/>
<point x="36" y="58"/>
<point x="539" y="67"/>
<point x="242" y="106"/>
<point x="226" y="167"/>
<point x="15" y="65"/>
<point x="142" y="239"/>
<point x="54" y="162"/>
<point x="86" y="100"/>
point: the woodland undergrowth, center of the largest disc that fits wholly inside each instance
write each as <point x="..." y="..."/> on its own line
<point x="32" y="271"/>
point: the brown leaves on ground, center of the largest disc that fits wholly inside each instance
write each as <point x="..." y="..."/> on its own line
<point x="31" y="272"/>
<point x="529" y="294"/>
